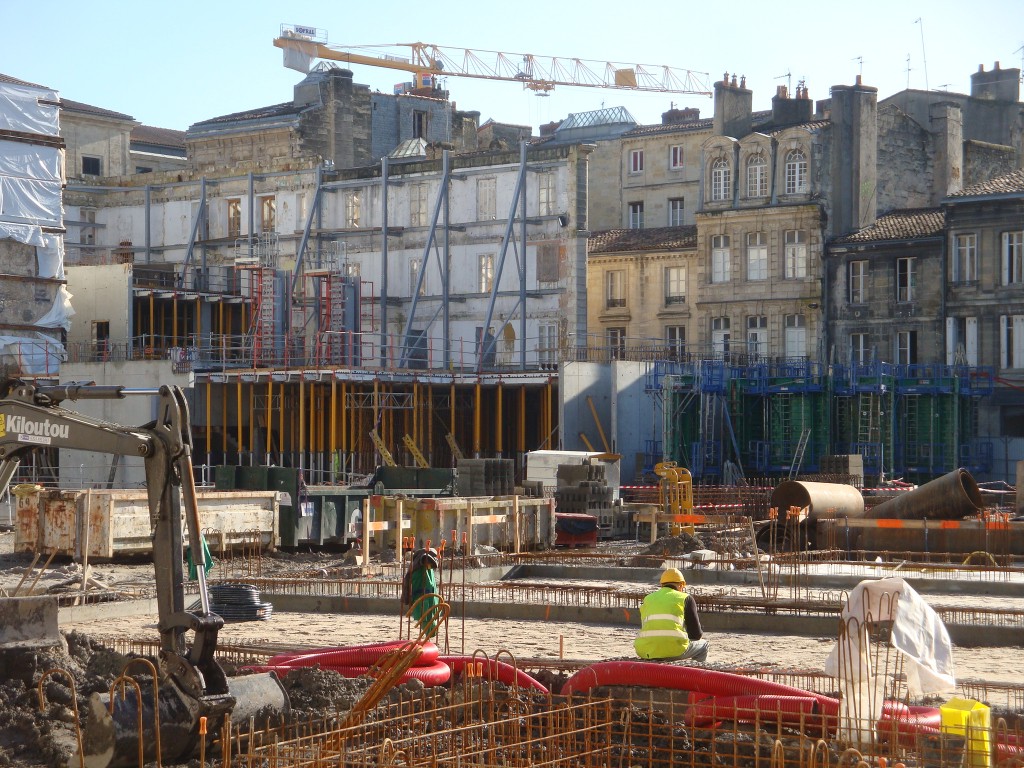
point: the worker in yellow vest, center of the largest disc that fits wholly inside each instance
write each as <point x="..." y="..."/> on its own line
<point x="670" y="629"/>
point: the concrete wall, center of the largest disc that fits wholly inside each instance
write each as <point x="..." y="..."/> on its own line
<point x="628" y="414"/>
<point x="89" y="468"/>
<point x="635" y="416"/>
<point x="100" y="293"/>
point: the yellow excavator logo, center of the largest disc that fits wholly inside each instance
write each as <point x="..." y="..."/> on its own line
<point x="3" y="424"/>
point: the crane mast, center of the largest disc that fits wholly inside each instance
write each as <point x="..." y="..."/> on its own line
<point x="536" y="73"/>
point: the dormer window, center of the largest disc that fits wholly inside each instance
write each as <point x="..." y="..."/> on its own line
<point x="757" y="176"/>
<point x="796" y="173"/>
<point x="721" y="179"/>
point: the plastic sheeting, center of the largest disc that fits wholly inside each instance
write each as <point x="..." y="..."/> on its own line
<point x="30" y="183"/>
<point x="917" y="633"/>
<point x="301" y="56"/>
<point x="35" y="354"/>
<point x="49" y="248"/>
<point x="21" y="111"/>
<point x="60" y="312"/>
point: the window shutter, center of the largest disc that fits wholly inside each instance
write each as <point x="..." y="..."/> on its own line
<point x="1006" y="259"/>
<point x="1018" y="341"/>
<point x="971" y="342"/>
<point x="1003" y="351"/>
<point x="950" y="340"/>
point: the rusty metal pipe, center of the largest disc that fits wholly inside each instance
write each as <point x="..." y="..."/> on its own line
<point x="836" y="499"/>
<point x="953" y="496"/>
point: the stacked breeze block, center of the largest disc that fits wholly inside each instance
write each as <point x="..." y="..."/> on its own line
<point x="485" y="477"/>
<point x="583" y="489"/>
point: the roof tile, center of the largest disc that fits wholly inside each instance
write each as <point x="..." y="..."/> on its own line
<point x="1006" y="184"/>
<point x="900" y="225"/>
<point x="654" y="239"/>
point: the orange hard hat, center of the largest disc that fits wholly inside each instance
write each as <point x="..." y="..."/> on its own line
<point x="673" y="576"/>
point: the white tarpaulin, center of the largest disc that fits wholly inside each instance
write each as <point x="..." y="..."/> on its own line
<point x="21" y="111"/>
<point x="917" y="633"/>
<point x="31" y="200"/>
<point x="60" y="313"/>
<point x="35" y="354"/>
<point x="299" y="55"/>
<point x="30" y="161"/>
<point x="49" y="248"/>
<point x="50" y="257"/>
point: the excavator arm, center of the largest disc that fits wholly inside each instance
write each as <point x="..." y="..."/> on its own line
<point x="194" y="684"/>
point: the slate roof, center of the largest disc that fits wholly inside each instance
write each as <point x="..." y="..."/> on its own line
<point x="811" y="126"/>
<point x="158" y="137"/>
<point x="900" y="225"/>
<point x="1009" y="183"/>
<point x="656" y="128"/>
<point x="654" y="239"/>
<point x="89" y="109"/>
<point x="274" y="110"/>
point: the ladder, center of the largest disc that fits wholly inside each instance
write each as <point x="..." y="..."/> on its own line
<point x="801" y="448"/>
<point x="382" y="449"/>
<point x="414" y="451"/>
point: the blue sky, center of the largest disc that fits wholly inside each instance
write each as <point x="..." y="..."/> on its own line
<point x="174" y="64"/>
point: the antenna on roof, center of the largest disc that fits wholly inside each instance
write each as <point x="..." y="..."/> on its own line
<point x="1021" y="52"/>
<point x="860" y="64"/>
<point x="908" y="71"/>
<point x="789" y="80"/>
<point x="924" y="58"/>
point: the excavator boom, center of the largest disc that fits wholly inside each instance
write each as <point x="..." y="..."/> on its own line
<point x="193" y="685"/>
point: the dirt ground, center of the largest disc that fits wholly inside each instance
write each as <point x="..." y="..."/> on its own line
<point x="523" y="639"/>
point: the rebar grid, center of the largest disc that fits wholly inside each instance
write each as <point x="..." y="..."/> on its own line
<point x="800" y="602"/>
<point x="476" y="723"/>
<point x="480" y="724"/>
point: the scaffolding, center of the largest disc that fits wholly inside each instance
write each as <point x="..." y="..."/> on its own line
<point x="782" y="418"/>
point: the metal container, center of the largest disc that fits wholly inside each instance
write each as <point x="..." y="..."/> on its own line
<point x="953" y="496"/>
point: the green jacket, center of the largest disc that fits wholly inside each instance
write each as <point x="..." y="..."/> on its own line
<point x="663" y="630"/>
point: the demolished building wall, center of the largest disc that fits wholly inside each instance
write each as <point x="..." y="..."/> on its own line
<point x="36" y="306"/>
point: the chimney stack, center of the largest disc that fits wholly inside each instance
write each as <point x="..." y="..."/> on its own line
<point x="733" y="108"/>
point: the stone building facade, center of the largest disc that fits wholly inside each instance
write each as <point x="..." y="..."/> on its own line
<point x="642" y="285"/>
<point x="333" y="118"/>
<point x="983" y="309"/>
<point x="761" y="228"/>
<point x="881" y="304"/>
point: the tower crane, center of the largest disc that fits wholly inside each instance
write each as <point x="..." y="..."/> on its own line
<point x="301" y="45"/>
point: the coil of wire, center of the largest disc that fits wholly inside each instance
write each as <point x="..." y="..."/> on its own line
<point x="236" y="603"/>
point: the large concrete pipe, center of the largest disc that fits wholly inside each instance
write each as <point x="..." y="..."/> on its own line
<point x="832" y="499"/>
<point x="953" y="496"/>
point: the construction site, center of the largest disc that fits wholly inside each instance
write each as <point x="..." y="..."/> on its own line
<point x="848" y="626"/>
<point x="310" y="491"/>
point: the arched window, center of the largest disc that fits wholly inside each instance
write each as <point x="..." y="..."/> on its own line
<point x="757" y="176"/>
<point x="796" y="173"/>
<point x="721" y="179"/>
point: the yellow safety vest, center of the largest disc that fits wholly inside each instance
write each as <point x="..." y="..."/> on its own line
<point x="662" y="631"/>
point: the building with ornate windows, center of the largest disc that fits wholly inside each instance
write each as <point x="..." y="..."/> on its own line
<point x="761" y="227"/>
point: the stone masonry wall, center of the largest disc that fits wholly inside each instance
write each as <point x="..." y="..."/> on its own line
<point x="906" y="157"/>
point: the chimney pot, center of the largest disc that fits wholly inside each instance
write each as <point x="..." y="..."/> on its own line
<point x="743" y="81"/>
<point x="733" y="81"/>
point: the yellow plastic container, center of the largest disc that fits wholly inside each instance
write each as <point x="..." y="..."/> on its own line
<point x="971" y="720"/>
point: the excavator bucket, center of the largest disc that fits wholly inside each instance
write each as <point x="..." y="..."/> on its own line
<point x="112" y="739"/>
<point x="28" y="622"/>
